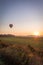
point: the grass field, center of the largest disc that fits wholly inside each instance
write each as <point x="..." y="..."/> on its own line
<point x="36" y="42"/>
<point x="21" y="50"/>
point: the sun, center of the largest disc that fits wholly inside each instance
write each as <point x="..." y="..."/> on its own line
<point x="36" y="33"/>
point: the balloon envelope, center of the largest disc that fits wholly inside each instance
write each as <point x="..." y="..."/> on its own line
<point x="10" y="25"/>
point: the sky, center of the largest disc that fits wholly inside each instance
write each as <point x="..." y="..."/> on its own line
<point x="25" y="15"/>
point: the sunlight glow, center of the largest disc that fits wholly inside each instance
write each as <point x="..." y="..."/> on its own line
<point x="36" y="33"/>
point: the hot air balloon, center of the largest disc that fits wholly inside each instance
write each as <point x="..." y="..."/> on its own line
<point x="11" y="30"/>
<point x="10" y="25"/>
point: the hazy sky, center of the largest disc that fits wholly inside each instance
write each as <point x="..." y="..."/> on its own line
<point x="25" y="15"/>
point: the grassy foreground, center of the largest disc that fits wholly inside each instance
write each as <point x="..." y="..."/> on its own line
<point x="21" y="50"/>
